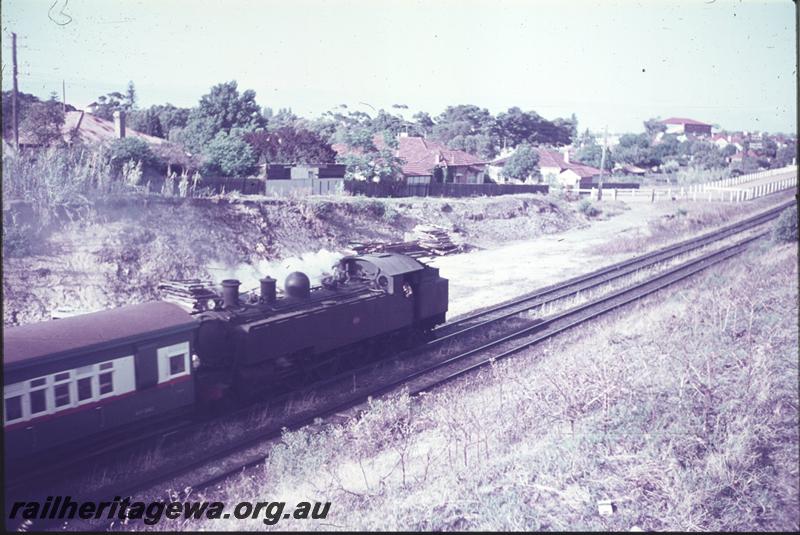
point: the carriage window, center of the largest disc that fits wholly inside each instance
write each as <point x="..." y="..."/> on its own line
<point x="13" y="408"/>
<point x="106" y="383"/>
<point x="177" y="364"/>
<point x="38" y="401"/>
<point x="84" y="388"/>
<point x="107" y="366"/>
<point x="38" y="382"/>
<point x="62" y="376"/>
<point x="62" y="396"/>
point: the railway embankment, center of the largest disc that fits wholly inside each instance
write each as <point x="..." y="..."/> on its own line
<point x="116" y="251"/>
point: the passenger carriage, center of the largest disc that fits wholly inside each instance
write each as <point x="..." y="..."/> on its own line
<point x="68" y="379"/>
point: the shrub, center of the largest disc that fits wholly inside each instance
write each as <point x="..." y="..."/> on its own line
<point x="522" y="164"/>
<point x="588" y="209"/>
<point x="230" y="155"/>
<point x="129" y="149"/>
<point x="785" y="229"/>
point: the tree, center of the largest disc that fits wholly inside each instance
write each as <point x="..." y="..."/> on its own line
<point x="25" y="100"/>
<point x="653" y="126"/>
<point x="171" y="117"/>
<point x="367" y="161"/>
<point x="230" y="155"/>
<point x="146" y="122"/>
<point x="522" y="164"/>
<point x="227" y="109"/>
<point x="290" y="145"/>
<point x="469" y="128"/>
<point x="785" y="155"/>
<point x="43" y="122"/>
<point x="668" y="148"/>
<point x="107" y="104"/>
<point x="635" y="149"/>
<point x="591" y="153"/>
<point x="392" y="124"/>
<point x="423" y="123"/>
<point x="130" y="97"/>
<point x="221" y="110"/>
<point x="279" y="120"/>
<point x="728" y="150"/>
<point x="516" y="126"/>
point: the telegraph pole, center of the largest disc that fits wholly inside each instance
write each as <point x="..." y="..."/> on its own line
<point x="63" y="96"/>
<point x="15" y="96"/>
<point x="602" y="165"/>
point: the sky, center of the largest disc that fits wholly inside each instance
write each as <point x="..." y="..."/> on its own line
<point x="613" y="63"/>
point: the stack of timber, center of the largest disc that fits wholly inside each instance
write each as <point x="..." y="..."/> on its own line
<point x="430" y="241"/>
<point x="187" y="292"/>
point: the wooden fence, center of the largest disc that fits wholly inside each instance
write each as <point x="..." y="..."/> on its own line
<point x="400" y="189"/>
<point x="734" y="189"/>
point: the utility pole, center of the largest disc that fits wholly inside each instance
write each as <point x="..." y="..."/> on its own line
<point x="15" y="96"/>
<point x="63" y="96"/>
<point x="602" y="165"/>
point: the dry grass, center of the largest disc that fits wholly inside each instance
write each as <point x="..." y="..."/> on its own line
<point x="683" y="412"/>
<point x="687" y="219"/>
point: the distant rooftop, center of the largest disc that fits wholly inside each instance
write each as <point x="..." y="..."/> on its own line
<point x="682" y="120"/>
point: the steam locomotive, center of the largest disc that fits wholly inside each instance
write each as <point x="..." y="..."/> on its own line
<point x="72" y="378"/>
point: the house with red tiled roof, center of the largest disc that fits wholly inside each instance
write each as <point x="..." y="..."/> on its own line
<point x="83" y="127"/>
<point x="554" y="165"/>
<point x="91" y="129"/>
<point x="426" y="161"/>
<point x="681" y="125"/>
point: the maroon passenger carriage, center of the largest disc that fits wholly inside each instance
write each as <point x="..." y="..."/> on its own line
<point x="68" y="378"/>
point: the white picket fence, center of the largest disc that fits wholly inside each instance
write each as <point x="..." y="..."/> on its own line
<point x="771" y="181"/>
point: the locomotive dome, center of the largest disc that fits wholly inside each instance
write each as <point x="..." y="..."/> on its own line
<point x="297" y="284"/>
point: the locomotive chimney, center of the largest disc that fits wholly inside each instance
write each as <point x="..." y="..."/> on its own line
<point x="230" y="292"/>
<point x="268" y="290"/>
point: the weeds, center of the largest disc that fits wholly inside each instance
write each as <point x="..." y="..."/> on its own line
<point x="785" y="229"/>
<point x="682" y="414"/>
<point x="588" y="209"/>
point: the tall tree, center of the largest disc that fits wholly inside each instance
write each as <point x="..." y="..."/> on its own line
<point x="130" y="97"/>
<point x="107" y="104"/>
<point x="468" y="127"/>
<point x="516" y="126"/>
<point x="42" y="122"/>
<point x="290" y="145"/>
<point x="221" y="110"/>
<point x="423" y="123"/>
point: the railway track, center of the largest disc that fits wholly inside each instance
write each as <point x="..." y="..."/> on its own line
<point x="466" y="361"/>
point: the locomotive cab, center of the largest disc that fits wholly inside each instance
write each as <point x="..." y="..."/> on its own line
<point x="398" y="274"/>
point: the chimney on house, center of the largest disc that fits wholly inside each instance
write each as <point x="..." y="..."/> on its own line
<point x="566" y="154"/>
<point x="119" y="123"/>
